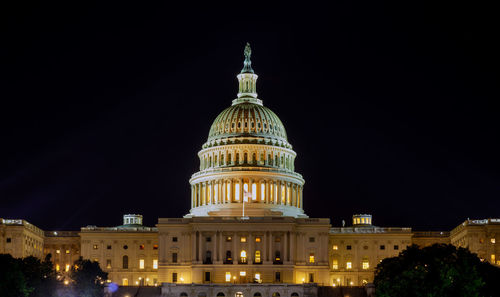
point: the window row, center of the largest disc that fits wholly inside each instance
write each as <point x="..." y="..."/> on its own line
<point x="245" y="158"/>
<point x="365" y="264"/>
<point x="125" y="263"/>
<point x="125" y="247"/>
<point x="381" y="247"/>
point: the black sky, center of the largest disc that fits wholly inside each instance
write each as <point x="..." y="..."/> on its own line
<point x="392" y="108"/>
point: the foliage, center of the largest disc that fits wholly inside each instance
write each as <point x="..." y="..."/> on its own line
<point x="88" y="278"/>
<point x="436" y="271"/>
<point x="40" y="276"/>
<point x="13" y="283"/>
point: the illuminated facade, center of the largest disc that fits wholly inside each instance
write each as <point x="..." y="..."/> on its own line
<point x="246" y="232"/>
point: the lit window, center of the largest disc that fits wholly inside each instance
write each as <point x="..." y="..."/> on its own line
<point x="67" y="251"/>
<point x="141" y="264"/>
<point x="57" y="267"/>
<point x="311" y="258"/>
<point x="364" y="282"/>
<point x="243" y="239"/>
<point x="243" y="256"/>
<point x="229" y="238"/>
<point x="243" y="273"/>
<point x="335" y="264"/>
<point x="365" y="265"/>
<point x="124" y="282"/>
<point x="228" y="276"/>
<point x="141" y="247"/>
<point x="95" y="246"/>
<point x="257" y="239"/>
<point x="257" y="257"/>
<point x="493" y="240"/>
<point x="335" y="247"/>
<point x="493" y="258"/>
<point x="66" y="268"/>
<point x="58" y="251"/>
<point x="155" y="264"/>
<point x="257" y="277"/>
<point x="108" y="263"/>
<point x="155" y="246"/>
<point x="348" y="265"/>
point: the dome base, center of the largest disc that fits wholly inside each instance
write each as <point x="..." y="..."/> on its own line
<point x="251" y="210"/>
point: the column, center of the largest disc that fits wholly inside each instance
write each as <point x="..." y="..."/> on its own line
<point x="251" y="248"/>
<point x="285" y="247"/>
<point x="193" y="251"/>
<point x="221" y="247"/>
<point x="264" y="249"/>
<point x="271" y="252"/>
<point x="292" y="247"/>
<point x="199" y="246"/>
<point x="234" y="253"/>
<point x="223" y="192"/>
<point x="215" y="254"/>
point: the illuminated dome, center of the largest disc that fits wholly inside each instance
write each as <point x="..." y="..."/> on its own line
<point x="247" y="164"/>
<point x="247" y="119"/>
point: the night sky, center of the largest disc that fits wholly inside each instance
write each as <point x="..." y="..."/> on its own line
<point x="392" y="108"/>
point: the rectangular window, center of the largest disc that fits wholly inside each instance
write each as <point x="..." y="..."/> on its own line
<point x="348" y="265"/>
<point x="348" y="247"/>
<point x="207" y="276"/>
<point x="382" y="247"/>
<point x="493" y="258"/>
<point x="311" y="277"/>
<point x="257" y="277"/>
<point x="67" y="267"/>
<point x="124" y="282"/>
<point x="174" y="239"/>
<point x="67" y="251"/>
<point x="174" y="257"/>
<point x="141" y="247"/>
<point x="335" y="264"/>
<point x="57" y="267"/>
<point x="335" y="247"/>
<point x="58" y="251"/>
<point x="108" y="247"/>
<point x="492" y="240"/>
<point x="141" y="264"/>
<point x="108" y="263"/>
<point x="257" y="239"/>
<point x="229" y="238"/>
<point x="277" y="276"/>
<point x="243" y="239"/>
<point x="277" y="239"/>
<point x="228" y="276"/>
<point x="9" y="240"/>
<point x="311" y="258"/>
<point x="209" y="239"/>
<point x="155" y="246"/>
<point x="155" y="264"/>
<point x="95" y="246"/>
<point x="312" y="239"/>
<point x="174" y="277"/>
<point x="243" y="273"/>
<point x="365" y="265"/>
<point x="396" y="247"/>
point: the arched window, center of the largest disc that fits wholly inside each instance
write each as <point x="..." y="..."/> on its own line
<point x="125" y="262"/>
<point x="276" y="294"/>
<point x="243" y="257"/>
<point x="254" y="158"/>
<point x="228" y="160"/>
<point x="245" y="158"/>
<point x="257" y="294"/>
<point x="183" y="294"/>
<point x="220" y="294"/>
<point x="237" y="158"/>
<point x="295" y="294"/>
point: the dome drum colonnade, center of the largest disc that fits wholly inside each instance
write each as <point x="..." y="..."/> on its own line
<point x="247" y="159"/>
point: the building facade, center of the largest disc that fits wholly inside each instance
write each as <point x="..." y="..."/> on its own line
<point x="246" y="233"/>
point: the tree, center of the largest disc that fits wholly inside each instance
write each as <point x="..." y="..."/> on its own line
<point x="88" y="278"/>
<point x="439" y="270"/>
<point x="40" y="276"/>
<point x="13" y="282"/>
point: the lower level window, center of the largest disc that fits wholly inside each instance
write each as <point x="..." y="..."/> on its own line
<point x="174" y="277"/>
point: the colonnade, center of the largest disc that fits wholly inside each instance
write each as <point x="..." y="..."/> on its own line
<point x="267" y="191"/>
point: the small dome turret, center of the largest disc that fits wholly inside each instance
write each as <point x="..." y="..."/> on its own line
<point x="360" y="220"/>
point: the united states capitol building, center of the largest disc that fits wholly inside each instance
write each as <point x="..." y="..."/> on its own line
<point x="246" y="233"/>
